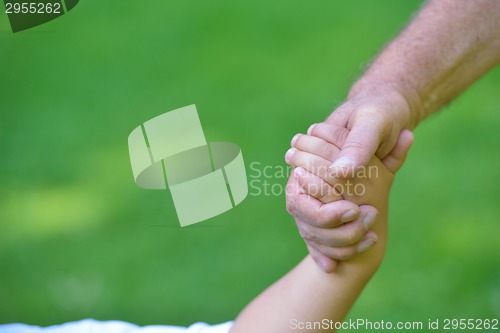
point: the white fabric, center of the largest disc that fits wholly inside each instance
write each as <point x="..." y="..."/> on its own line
<point x="93" y="326"/>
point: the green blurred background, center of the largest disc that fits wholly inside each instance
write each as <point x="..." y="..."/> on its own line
<point x="78" y="239"/>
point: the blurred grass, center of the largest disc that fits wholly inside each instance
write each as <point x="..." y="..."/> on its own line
<point x="78" y="238"/>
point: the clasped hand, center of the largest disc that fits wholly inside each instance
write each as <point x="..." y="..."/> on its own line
<point x="337" y="214"/>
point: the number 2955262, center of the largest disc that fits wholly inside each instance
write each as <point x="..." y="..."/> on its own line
<point x="33" y="8"/>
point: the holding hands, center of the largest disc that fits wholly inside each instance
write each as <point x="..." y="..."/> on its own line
<point x="340" y="213"/>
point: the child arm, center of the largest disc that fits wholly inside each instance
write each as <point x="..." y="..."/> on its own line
<point x="307" y="294"/>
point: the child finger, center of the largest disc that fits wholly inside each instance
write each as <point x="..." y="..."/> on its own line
<point x="316" y="146"/>
<point x="331" y="133"/>
<point x="397" y="156"/>
<point x="314" y="164"/>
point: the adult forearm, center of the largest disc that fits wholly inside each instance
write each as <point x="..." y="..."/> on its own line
<point x="448" y="46"/>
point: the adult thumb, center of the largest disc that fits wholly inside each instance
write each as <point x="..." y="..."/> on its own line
<point x="360" y="146"/>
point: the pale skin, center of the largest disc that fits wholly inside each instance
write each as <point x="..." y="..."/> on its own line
<point x="307" y="293"/>
<point x="447" y="47"/>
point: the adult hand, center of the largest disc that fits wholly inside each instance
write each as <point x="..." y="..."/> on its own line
<point x="328" y="217"/>
<point x="333" y="228"/>
<point x="369" y="123"/>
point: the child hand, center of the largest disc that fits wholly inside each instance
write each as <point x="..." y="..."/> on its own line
<point x="313" y="194"/>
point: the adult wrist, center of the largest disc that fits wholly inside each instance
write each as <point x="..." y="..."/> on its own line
<point x="405" y="100"/>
